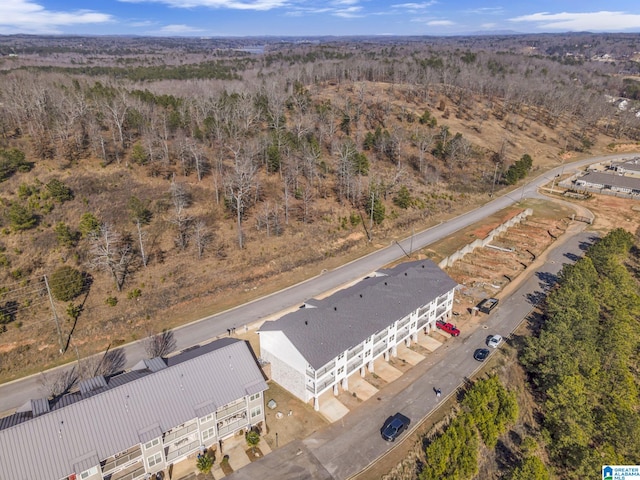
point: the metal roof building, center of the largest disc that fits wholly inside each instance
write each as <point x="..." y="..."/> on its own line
<point x="55" y="440"/>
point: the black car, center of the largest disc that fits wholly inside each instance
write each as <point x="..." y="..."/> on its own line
<point x="481" y="354"/>
<point x="394" y="426"/>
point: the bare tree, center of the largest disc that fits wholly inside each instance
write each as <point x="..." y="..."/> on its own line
<point x="181" y="200"/>
<point x="106" y="364"/>
<point x="59" y="382"/>
<point x="111" y="252"/>
<point x="240" y="183"/>
<point x="202" y="237"/>
<point x="159" y="345"/>
<point x="141" y="215"/>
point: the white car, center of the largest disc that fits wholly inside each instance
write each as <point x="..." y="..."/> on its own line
<point x="495" y="341"/>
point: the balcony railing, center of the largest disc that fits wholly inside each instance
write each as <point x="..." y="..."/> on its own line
<point x="422" y="322"/>
<point x="380" y="336"/>
<point x="171" y="436"/>
<point x="403" y="322"/>
<point x="132" y="472"/>
<point x="230" y="409"/>
<point x="354" y="351"/>
<point x="122" y="459"/>
<point x="326" y="383"/>
<point x="354" y="365"/>
<point x="379" y="349"/>
<point x="441" y="311"/>
<point x="183" y="450"/>
<point x="231" y="424"/>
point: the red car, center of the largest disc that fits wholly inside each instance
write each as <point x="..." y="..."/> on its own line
<point x="450" y="328"/>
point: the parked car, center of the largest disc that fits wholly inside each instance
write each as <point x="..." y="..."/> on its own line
<point x="450" y="328"/>
<point x="394" y="426"/>
<point x="495" y="341"/>
<point x="481" y="354"/>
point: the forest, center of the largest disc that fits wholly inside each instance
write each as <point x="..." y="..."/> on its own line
<point x="147" y="182"/>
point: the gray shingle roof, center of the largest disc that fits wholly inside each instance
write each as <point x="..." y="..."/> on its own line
<point x="349" y="316"/>
<point x="612" y="179"/>
<point x="111" y="421"/>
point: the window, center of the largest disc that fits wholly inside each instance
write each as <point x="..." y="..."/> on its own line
<point x="156" y="459"/>
<point x="256" y="411"/>
<point x="152" y="443"/>
<point x="253" y="397"/>
<point x="89" y="473"/>
<point x="206" y="419"/>
<point x="207" y="434"/>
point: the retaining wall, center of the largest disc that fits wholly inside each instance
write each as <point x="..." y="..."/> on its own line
<point x="470" y="247"/>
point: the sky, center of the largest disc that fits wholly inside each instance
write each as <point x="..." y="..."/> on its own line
<point x="233" y="18"/>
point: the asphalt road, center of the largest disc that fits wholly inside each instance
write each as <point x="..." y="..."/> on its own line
<point x="16" y="393"/>
<point x="349" y="446"/>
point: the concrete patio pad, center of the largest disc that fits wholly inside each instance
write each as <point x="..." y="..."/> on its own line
<point x="363" y="389"/>
<point x="408" y="355"/>
<point x="429" y="343"/>
<point x="236" y="448"/>
<point x="385" y="371"/>
<point x="331" y="408"/>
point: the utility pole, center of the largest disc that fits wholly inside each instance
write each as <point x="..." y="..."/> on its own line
<point x="493" y="185"/>
<point x="55" y="315"/>
<point x="373" y="196"/>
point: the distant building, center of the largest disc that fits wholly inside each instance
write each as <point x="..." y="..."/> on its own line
<point x="609" y="181"/>
<point x="318" y="347"/>
<point x="136" y="424"/>
<point x="628" y="166"/>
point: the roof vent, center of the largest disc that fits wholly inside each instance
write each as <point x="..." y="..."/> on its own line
<point x="360" y="295"/>
<point x="306" y="323"/>
<point x="423" y="265"/>
<point x="335" y="309"/>
<point x="385" y="284"/>
<point x="405" y="274"/>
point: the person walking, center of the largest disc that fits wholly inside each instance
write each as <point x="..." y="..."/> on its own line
<point x="438" y="392"/>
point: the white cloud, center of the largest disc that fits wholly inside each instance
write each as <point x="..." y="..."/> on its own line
<point x="414" y="6"/>
<point x="26" y="16"/>
<point x="143" y="23"/>
<point x="178" y="29"/>
<point x="345" y="2"/>
<point x="440" y="23"/>
<point x="489" y="25"/>
<point x="351" y="12"/>
<point x="485" y="11"/>
<point x="261" y="5"/>
<point x="594" y="21"/>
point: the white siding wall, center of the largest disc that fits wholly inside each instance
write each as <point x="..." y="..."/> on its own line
<point x="288" y="366"/>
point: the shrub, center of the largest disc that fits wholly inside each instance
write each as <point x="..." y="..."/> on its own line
<point x="59" y="191"/>
<point x="403" y="199"/>
<point x="88" y="224"/>
<point x="66" y="283"/>
<point x="111" y="301"/>
<point x="135" y="293"/>
<point x="21" y="218"/>
<point x="64" y="235"/>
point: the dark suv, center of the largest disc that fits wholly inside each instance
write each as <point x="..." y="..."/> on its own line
<point x="394" y="426"/>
